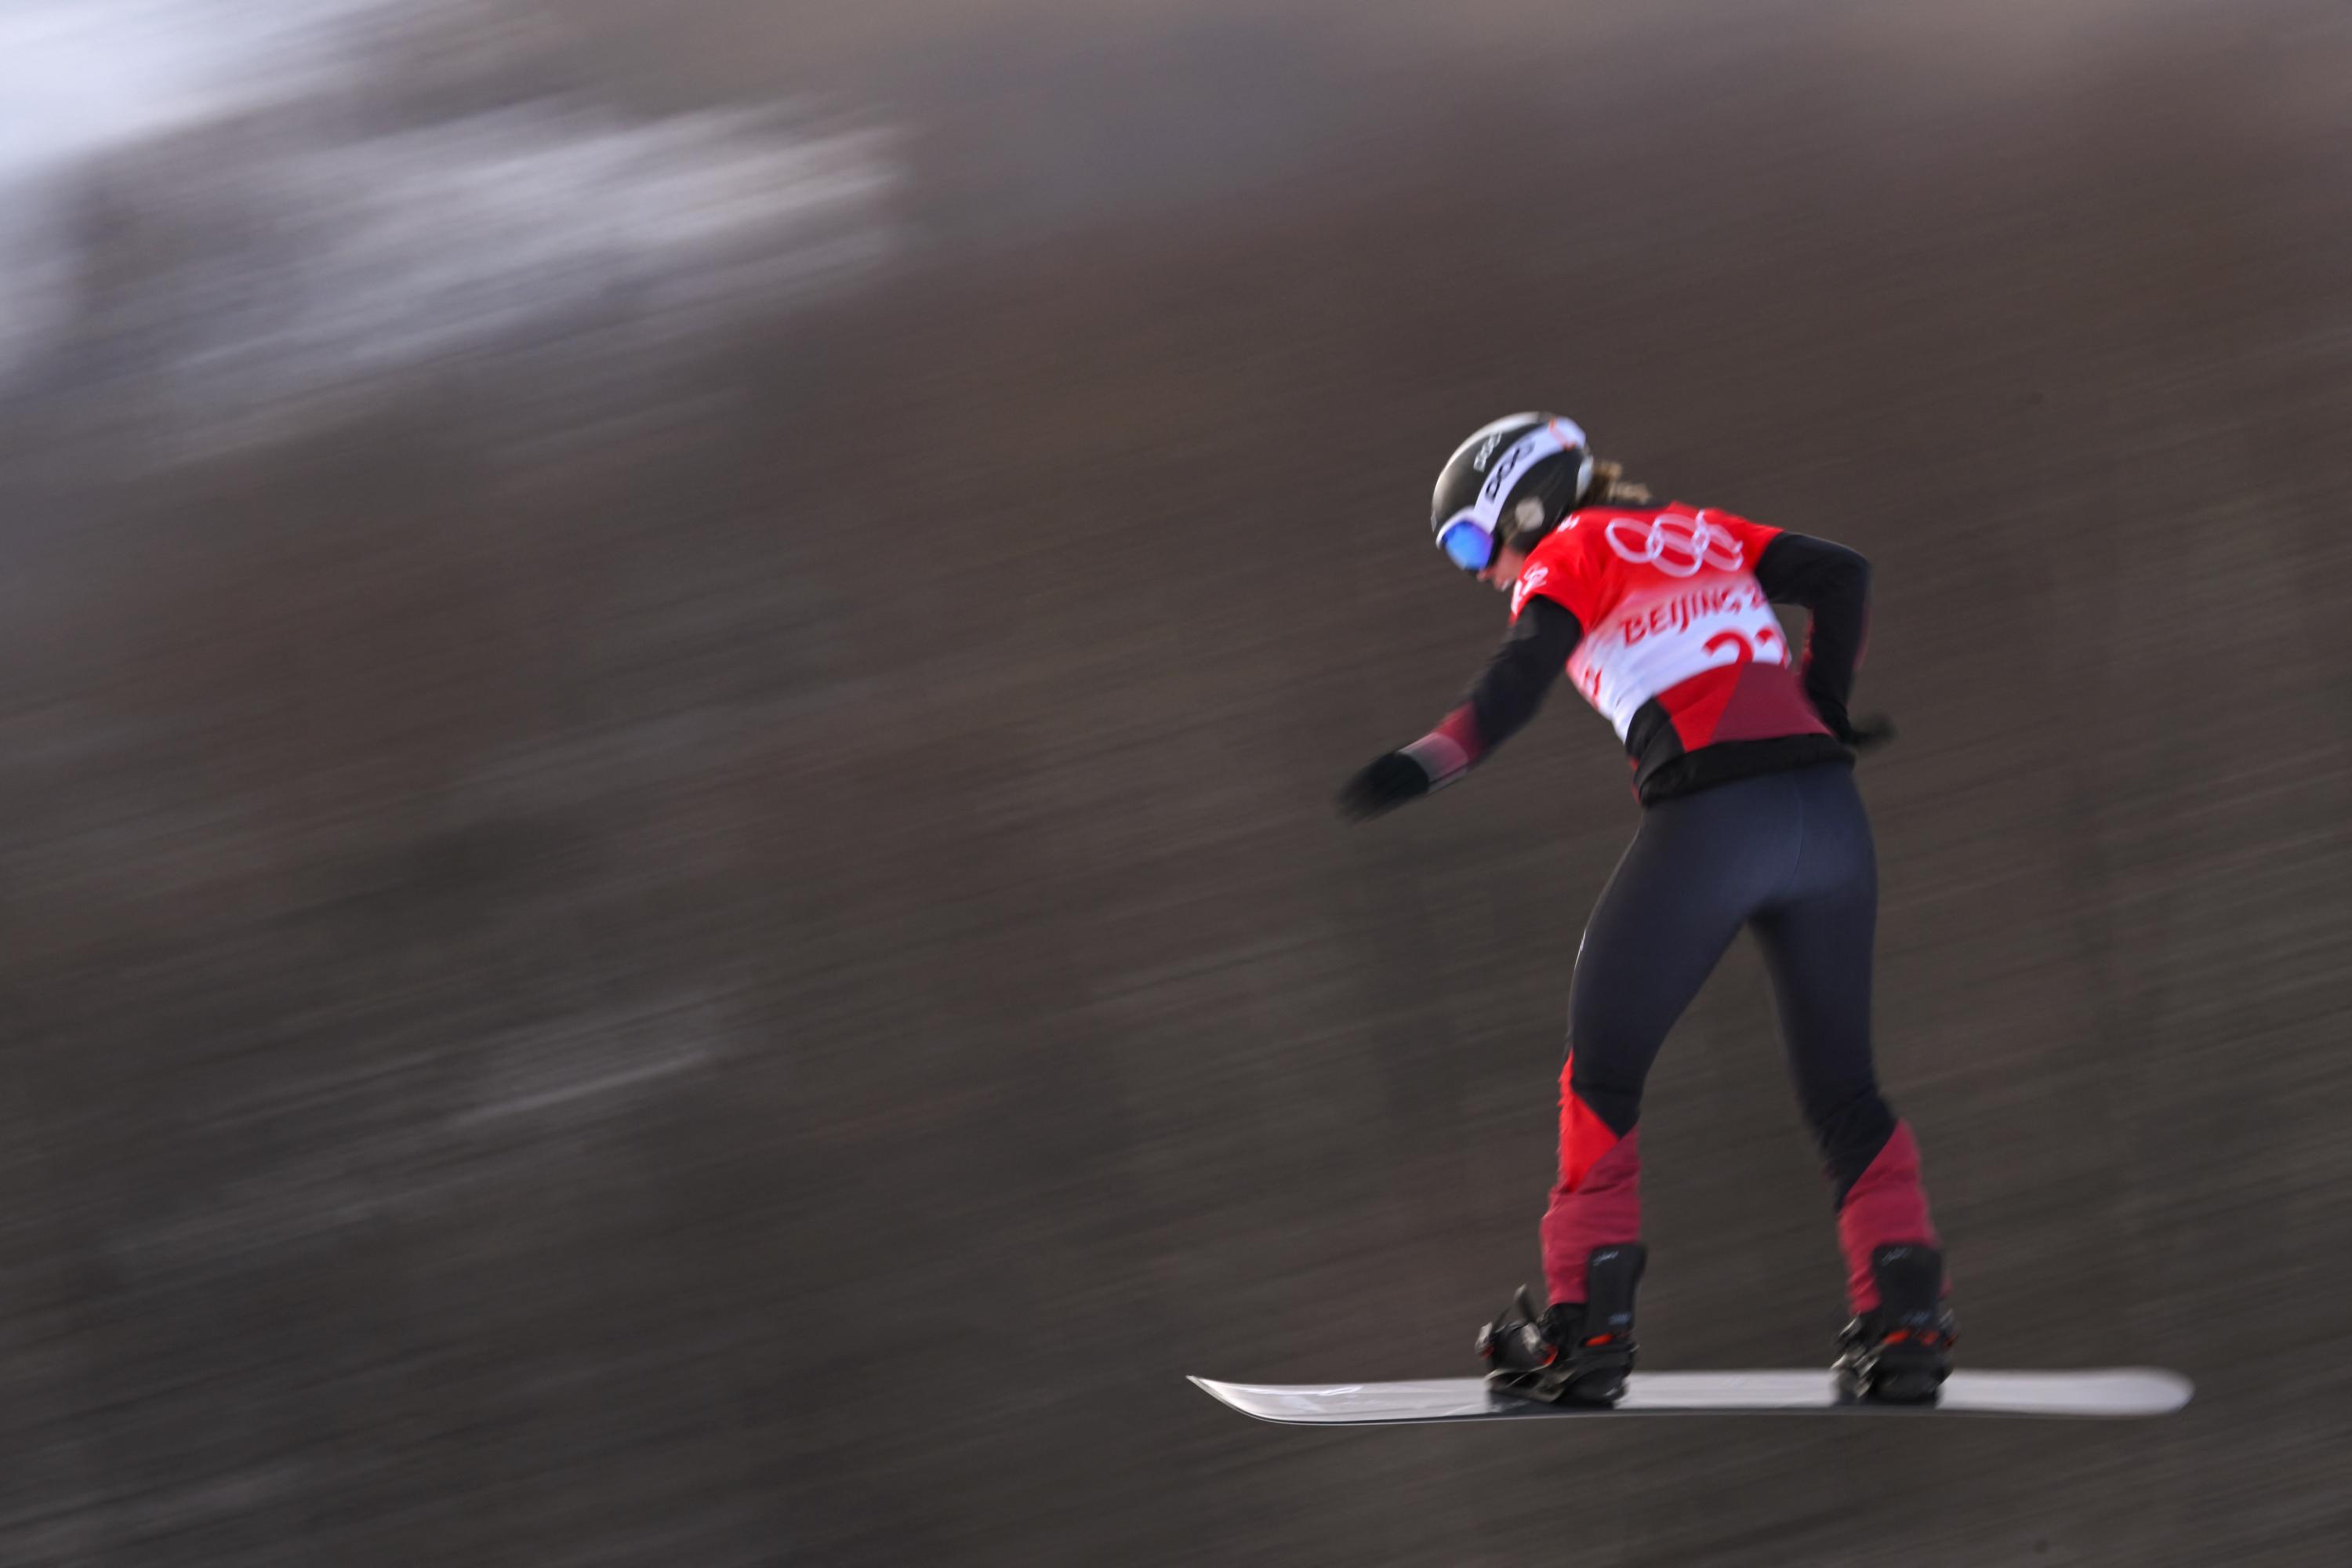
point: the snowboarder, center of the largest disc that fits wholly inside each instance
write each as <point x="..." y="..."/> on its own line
<point x="1742" y="763"/>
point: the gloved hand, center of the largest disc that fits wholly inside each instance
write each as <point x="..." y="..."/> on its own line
<point x="1864" y="733"/>
<point x="1382" y="785"/>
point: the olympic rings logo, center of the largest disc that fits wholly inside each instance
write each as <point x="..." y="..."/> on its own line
<point x="1679" y="546"/>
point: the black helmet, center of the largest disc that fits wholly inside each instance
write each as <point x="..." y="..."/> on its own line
<point x="1510" y="483"/>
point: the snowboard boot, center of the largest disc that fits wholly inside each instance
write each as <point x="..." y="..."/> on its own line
<point x="1900" y="1352"/>
<point x="1578" y="1352"/>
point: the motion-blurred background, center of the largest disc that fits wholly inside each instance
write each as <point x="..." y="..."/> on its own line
<point x="672" y="680"/>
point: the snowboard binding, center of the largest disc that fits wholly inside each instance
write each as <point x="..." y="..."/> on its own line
<point x="1575" y="1352"/>
<point x="1900" y="1352"/>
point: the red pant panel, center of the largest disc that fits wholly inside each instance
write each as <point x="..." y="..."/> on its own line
<point x="1887" y="1205"/>
<point x="1598" y="1199"/>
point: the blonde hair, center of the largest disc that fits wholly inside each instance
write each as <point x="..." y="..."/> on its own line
<point x="1610" y="486"/>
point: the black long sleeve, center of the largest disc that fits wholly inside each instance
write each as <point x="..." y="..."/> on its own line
<point x="1520" y="675"/>
<point x="1832" y="583"/>
<point x="1506" y="693"/>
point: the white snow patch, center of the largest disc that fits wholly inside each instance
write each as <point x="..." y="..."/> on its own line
<point x="78" y="76"/>
<point x="196" y="193"/>
<point x="585" y="1067"/>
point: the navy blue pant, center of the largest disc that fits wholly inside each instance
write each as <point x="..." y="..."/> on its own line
<point x="1787" y="855"/>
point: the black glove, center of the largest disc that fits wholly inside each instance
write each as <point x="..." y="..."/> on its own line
<point x="1865" y="733"/>
<point x="1385" y="783"/>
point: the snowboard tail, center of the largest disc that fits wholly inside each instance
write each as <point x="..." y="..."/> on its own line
<point x="2108" y="1393"/>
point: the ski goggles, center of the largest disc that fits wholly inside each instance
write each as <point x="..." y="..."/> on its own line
<point x="1468" y="536"/>
<point x="1467" y="542"/>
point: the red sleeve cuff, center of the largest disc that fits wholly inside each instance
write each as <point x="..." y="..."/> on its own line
<point x="1451" y="750"/>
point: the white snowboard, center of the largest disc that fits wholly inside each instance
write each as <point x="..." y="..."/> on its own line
<point x="2109" y="1392"/>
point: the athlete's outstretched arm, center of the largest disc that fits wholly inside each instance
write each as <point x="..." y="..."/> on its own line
<point x="1832" y="583"/>
<point x="1500" y="701"/>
